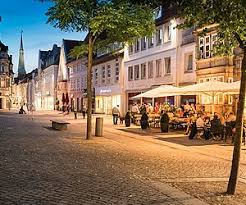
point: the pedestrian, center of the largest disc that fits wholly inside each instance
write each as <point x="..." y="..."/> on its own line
<point x="128" y="119"/>
<point x="116" y="114"/>
<point x="84" y="112"/>
<point x="164" y="121"/>
<point x="144" y="121"/>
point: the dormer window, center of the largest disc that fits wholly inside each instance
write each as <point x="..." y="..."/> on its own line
<point x="158" y="12"/>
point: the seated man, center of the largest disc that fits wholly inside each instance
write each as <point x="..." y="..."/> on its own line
<point x="216" y="127"/>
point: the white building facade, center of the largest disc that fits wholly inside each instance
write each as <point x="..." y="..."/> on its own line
<point x="164" y="59"/>
<point x="108" y="81"/>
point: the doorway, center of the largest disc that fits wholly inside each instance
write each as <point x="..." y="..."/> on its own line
<point x="1" y="103"/>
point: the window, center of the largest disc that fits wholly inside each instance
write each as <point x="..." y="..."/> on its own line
<point x="108" y="74"/>
<point x="158" y="68"/>
<point x="150" y="69"/>
<point x="151" y="41"/>
<point x="143" y="71"/>
<point x="130" y="73"/>
<point x="96" y="76"/>
<point x="201" y="80"/>
<point x="221" y="78"/>
<point x="117" y="73"/>
<point x="189" y="62"/>
<point x="158" y="12"/>
<point x="206" y="45"/>
<point x="230" y="80"/>
<point x="130" y="48"/>
<point x="169" y="32"/>
<point x="103" y="74"/>
<point x="78" y="84"/>
<point x="214" y="79"/>
<point x="136" y="72"/>
<point x="167" y="65"/>
<point x="158" y="36"/>
<point x="137" y="45"/>
<point x="143" y="43"/>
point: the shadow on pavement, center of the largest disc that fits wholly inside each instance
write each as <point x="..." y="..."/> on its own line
<point x="186" y="142"/>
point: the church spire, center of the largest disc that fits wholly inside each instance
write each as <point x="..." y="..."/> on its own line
<point x="21" y="66"/>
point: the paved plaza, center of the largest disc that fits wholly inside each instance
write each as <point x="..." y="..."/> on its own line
<point x="126" y="166"/>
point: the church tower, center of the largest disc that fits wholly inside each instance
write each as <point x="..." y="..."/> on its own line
<point x="21" y="66"/>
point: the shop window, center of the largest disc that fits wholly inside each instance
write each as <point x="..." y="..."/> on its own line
<point x="158" y="68"/>
<point x="150" y="69"/>
<point x="143" y="70"/>
<point x="151" y="41"/>
<point x="136" y="72"/>
<point x="130" y="73"/>
<point x="167" y="66"/>
<point x="158" y="36"/>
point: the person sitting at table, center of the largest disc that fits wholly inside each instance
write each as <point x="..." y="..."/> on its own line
<point x="164" y="121"/>
<point x="135" y="109"/>
<point x="144" y="121"/>
<point x="200" y="124"/>
<point x="216" y="128"/>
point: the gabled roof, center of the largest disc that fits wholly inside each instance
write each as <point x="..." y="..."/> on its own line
<point x="3" y="47"/>
<point x="68" y="46"/>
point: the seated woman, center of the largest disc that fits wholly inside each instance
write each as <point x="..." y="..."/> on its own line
<point x="144" y="121"/>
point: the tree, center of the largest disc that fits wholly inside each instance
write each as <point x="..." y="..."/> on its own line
<point x="120" y="20"/>
<point x="229" y="17"/>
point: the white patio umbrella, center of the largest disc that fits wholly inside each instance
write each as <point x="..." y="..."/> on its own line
<point x="211" y="88"/>
<point x="161" y="91"/>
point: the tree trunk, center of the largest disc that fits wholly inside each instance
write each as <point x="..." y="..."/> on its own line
<point x="231" y="189"/>
<point x="89" y="89"/>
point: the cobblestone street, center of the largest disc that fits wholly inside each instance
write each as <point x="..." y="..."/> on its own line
<point x="43" y="166"/>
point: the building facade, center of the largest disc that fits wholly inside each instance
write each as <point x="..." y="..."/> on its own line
<point x="108" y="81"/>
<point x="6" y="77"/>
<point x="46" y="80"/>
<point x="64" y="70"/>
<point x="215" y="68"/>
<point x="167" y="58"/>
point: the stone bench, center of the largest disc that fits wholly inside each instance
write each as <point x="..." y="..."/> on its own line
<point x="59" y="125"/>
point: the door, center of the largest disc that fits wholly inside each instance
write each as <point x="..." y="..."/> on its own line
<point x="1" y="106"/>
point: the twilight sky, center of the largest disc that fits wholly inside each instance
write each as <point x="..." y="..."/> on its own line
<point x="29" y="16"/>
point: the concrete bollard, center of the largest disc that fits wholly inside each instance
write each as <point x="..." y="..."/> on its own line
<point x="99" y="127"/>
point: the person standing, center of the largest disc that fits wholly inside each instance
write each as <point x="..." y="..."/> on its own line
<point x="116" y="114"/>
<point x="164" y="121"/>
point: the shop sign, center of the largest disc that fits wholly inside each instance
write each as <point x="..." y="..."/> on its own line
<point x="105" y="91"/>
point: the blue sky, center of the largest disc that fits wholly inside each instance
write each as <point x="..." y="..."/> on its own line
<point x="29" y="16"/>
